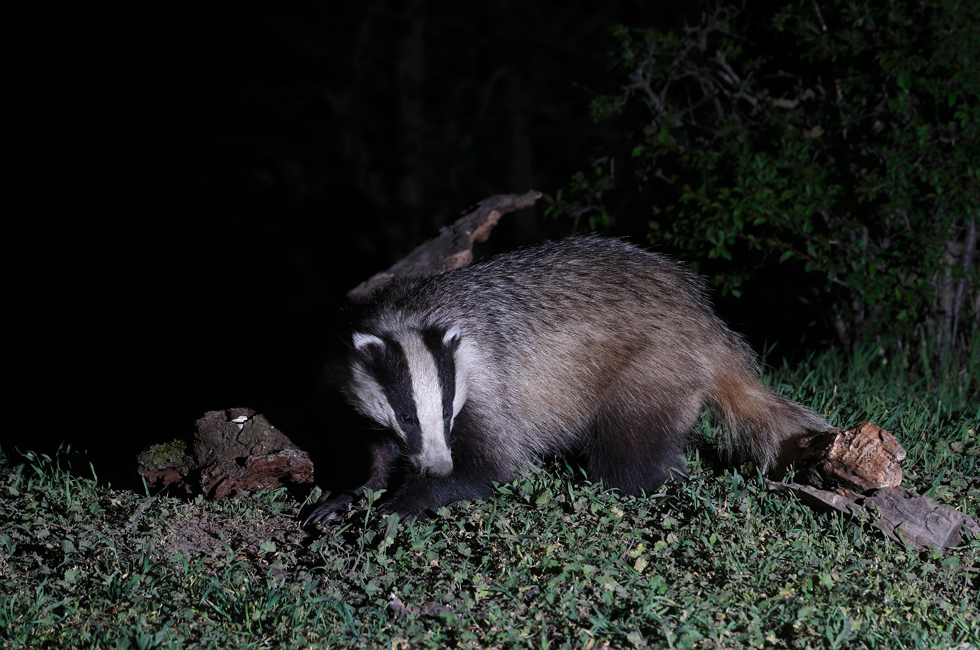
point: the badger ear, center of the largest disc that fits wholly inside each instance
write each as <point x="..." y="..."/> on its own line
<point x="452" y="336"/>
<point x="364" y="342"/>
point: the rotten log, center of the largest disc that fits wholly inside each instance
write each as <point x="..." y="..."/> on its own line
<point x="864" y="458"/>
<point x="453" y="247"/>
<point x="232" y="451"/>
<point x="856" y="472"/>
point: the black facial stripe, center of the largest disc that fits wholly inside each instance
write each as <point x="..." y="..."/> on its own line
<point x="445" y="366"/>
<point x="389" y="367"/>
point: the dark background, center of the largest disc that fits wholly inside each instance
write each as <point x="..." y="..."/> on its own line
<point x="193" y="194"/>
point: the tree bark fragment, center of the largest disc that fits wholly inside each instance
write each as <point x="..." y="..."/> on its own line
<point x="856" y="472"/>
<point x="453" y="247"/>
<point x="232" y="451"/>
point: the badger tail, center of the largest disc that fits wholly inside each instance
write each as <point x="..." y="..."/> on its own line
<point x="760" y="424"/>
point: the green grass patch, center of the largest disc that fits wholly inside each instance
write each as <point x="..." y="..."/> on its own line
<point x="551" y="561"/>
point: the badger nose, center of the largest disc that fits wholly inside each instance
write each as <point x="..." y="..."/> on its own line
<point x="439" y="469"/>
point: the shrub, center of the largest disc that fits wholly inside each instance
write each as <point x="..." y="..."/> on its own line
<point x="840" y="137"/>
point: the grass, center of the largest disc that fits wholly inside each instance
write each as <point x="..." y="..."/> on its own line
<point x="551" y="561"/>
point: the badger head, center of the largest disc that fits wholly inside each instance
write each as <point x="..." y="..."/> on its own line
<point x="407" y="381"/>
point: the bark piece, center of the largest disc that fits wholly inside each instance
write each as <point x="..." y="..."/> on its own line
<point x="857" y="472"/>
<point x="232" y="451"/>
<point x="863" y="458"/>
<point x="453" y="247"/>
<point x="839" y="500"/>
<point x="903" y="515"/>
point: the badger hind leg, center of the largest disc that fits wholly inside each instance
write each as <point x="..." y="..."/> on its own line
<point x="637" y="441"/>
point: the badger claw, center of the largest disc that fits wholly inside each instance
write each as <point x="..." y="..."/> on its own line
<point x="331" y="511"/>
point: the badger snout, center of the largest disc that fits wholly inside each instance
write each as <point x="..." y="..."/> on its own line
<point x="438" y="469"/>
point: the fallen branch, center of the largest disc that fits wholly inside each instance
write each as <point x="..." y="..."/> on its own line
<point x="232" y="451"/>
<point x="856" y="472"/>
<point x="453" y="247"/>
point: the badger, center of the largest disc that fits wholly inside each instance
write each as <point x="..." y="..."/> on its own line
<point x="585" y="345"/>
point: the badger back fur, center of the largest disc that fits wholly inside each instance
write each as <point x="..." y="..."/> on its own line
<point x="587" y="344"/>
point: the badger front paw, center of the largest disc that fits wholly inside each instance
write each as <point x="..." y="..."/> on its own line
<point x="330" y="511"/>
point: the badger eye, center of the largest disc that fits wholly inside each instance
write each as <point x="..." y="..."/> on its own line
<point x="406" y="418"/>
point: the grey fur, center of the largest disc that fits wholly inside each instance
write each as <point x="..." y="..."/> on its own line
<point x="585" y="344"/>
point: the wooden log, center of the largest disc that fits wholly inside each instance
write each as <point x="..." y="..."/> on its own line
<point x="453" y="247"/>
<point x="856" y="472"/>
<point x="232" y="451"/>
<point x="863" y="458"/>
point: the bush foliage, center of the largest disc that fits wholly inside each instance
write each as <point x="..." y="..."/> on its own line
<point x="839" y="136"/>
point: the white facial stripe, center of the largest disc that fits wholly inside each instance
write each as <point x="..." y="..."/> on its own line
<point x="428" y="400"/>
